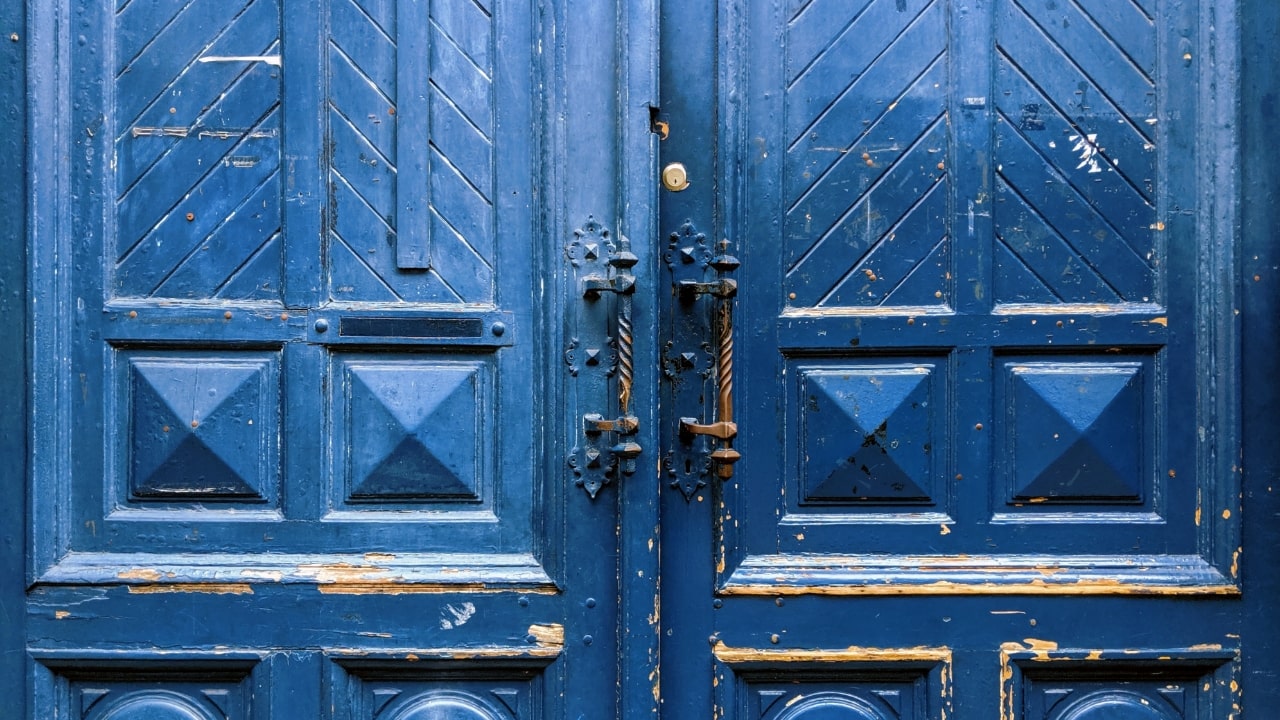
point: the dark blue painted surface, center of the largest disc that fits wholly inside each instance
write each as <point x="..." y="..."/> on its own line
<point x="300" y="313"/>
<point x="14" y="42"/>
<point x="987" y="361"/>
<point x="1260" y="205"/>
<point x="326" y="419"/>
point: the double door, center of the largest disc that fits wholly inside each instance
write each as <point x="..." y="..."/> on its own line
<point x="481" y="359"/>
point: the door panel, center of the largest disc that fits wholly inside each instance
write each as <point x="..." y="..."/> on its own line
<point x="947" y="395"/>
<point x="294" y="415"/>
<point x="292" y="453"/>
<point x="972" y="343"/>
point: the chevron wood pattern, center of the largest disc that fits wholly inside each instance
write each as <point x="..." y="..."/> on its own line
<point x="1076" y="156"/>
<point x="197" y="150"/>
<point x="411" y="215"/>
<point x="865" y="170"/>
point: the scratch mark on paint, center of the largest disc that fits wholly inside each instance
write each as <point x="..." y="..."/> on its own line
<point x="147" y="131"/>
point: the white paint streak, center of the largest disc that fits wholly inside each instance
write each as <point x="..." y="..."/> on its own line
<point x="268" y="59"/>
<point x="452" y="616"/>
<point x="1088" y="148"/>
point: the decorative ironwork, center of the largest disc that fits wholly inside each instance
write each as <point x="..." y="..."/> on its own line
<point x="595" y="462"/>
<point x="694" y="436"/>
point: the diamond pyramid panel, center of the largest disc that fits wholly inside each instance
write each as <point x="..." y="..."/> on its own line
<point x="202" y="428"/>
<point x="1077" y="432"/>
<point x="867" y="434"/>
<point x="413" y="431"/>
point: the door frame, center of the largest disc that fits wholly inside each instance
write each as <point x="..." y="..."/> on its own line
<point x="1258" y="217"/>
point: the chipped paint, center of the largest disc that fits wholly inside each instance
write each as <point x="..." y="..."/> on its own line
<point x="396" y="587"/>
<point x="853" y="653"/>
<point x="490" y="652"/>
<point x="206" y="588"/>
<point x="1083" y="586"/>
<point x="1039" y="649"/>
<point x="548" y="636"/>
<point x="341" y="572"/>
<point x="1087" y="146"/>
<point x="139" y="574"/>
<point x="61" y="614"/>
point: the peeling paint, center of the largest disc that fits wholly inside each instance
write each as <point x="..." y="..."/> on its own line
<point x="206" y="588"/>
<point x="548" y="636"/>
<point x="853" y="653"/>
<point x="139" y="574"/>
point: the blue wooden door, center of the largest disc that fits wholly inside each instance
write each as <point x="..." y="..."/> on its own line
<point x="953" y="333"/>
<point x="370" y="374"/>
<point x="300" y="306"/>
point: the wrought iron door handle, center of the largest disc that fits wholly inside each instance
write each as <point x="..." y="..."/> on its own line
<point x="724" y="429"/>
<point x="622" y="282"/>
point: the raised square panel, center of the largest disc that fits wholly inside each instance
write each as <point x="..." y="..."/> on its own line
<point x="1077" y="432"/>
<point x="200" y="426"/>
<point x="413" y="430"/>
<point x="868" y="433"/>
